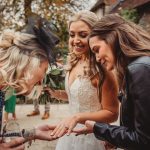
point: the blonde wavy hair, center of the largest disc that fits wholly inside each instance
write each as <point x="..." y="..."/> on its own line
<point x="20" y="53"/>
<point x="90" y="19"/>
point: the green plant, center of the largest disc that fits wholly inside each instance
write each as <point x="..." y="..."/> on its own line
<point x="54" y="80"/>
<point x="130" y="14"/>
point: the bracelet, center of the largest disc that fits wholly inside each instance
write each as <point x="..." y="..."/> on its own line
<point x="29" y="134"/>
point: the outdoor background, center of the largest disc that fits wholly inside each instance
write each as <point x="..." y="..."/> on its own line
<point x="14" y="15"/>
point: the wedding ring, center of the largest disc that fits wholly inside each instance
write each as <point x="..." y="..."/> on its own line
<point x="66" y="127"/>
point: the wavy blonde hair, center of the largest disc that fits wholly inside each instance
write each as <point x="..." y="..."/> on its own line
<point x="20" y="54"/>
<point x="90" y="19"/>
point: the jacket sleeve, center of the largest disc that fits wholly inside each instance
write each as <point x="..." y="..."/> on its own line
<point x="138" y="79"/>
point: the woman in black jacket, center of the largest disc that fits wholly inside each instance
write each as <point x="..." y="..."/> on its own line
<point x="124" y="47"/>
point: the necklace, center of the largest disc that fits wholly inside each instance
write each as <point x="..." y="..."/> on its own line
<point x="86" y="67"/>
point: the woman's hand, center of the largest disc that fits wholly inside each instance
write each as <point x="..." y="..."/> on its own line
<point x="65" y="127"/>
<point x="58" y="94"/>
<point x="53" y="93"/>
<point x="109" y="146"/>
<point x="43" y="132"/>
<point x="15" y="144"/>
<point x="89" y="125"/>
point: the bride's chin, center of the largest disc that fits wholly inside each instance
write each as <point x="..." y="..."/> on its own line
<point x="79" y="52"/>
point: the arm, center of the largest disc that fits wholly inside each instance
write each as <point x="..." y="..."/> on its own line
<point x="107" y="114"/>
<point x="109" y="102"/>
<point x="58" y="94"/>
<point x="138" y="79"/>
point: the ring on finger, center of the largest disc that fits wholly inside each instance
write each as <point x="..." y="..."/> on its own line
<point x="66" y="127"/>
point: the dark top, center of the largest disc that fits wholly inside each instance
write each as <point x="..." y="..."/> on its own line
<point x="134" y="132"/>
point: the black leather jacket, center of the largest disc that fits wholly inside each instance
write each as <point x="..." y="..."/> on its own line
<point x="134" y="131"/>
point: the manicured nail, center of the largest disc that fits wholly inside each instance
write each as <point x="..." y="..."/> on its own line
<point x="52" y="134"/>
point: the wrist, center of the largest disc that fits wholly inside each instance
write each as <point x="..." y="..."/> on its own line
<point x="36" y="133"/>
<point x="29" y="134"/>
<point x="77" y="118"/>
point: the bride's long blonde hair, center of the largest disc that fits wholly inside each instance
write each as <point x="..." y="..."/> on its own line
<point x="90" y="19"/>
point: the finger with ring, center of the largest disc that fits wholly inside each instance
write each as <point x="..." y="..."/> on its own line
<point x="66" y="127"/>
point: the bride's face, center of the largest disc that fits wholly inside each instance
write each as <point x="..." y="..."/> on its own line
<point x="78" y="37"/>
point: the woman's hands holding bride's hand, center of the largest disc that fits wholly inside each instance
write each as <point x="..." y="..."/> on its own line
<point x="43" y="132"/>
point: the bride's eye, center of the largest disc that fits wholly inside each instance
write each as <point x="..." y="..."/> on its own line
<point x="83" y="34"/>
<point x="71" y="35"/>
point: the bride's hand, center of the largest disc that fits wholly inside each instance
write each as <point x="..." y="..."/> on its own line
<point x="85" y="130"/>
<point x="65" y="127"/>
<point x="52" y="92"/>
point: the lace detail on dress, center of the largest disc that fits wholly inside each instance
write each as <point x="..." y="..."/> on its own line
<point x="82" y="95"/>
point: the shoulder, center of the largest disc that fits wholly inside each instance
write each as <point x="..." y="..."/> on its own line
<point x="140" y="64"/>
<point x="95" y="79"/>
<point x="110" y="81"/>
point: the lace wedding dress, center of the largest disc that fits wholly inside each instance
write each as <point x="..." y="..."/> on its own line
<point x="82" y="97"/>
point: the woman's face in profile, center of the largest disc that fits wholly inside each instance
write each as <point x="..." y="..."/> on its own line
<point x="78" y="37"/>
<point x="103" y="52"/>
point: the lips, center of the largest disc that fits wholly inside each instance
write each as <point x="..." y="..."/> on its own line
<point x="78" y="48"/>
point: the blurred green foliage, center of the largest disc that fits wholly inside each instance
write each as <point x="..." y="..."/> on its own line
<point x="130" y="14"/>
<point x="55" y="80"/>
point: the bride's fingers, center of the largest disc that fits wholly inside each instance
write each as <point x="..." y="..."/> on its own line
<point x="70" y="129"/>
<point x="62" y="132"/>
<point x="58" y="130"/>
<point x="55" y="130"/>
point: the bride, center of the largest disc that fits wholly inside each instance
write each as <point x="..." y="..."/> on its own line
<point x="82" y="86"/>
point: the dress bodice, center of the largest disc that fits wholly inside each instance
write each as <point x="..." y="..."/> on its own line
<point x="82" y="95"/>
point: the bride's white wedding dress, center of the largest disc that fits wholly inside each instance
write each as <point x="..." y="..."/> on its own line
<point x="82" y="96"/>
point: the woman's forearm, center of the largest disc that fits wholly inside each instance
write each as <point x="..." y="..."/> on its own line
<point x="59" y="94"/>
<point x="105" y="116"/>
<point x="62" y="95"/>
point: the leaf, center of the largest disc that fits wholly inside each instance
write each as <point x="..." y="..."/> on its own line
<point x="53" y="83"/>
<point x="55" y="72"/>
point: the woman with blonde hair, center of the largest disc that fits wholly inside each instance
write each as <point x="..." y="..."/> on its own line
<point x="82" y="86"/>
<point x="24" y="59"/>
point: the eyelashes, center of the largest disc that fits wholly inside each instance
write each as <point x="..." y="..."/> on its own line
<point x="80" y="35"/>
<point x="95" y="50"/>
